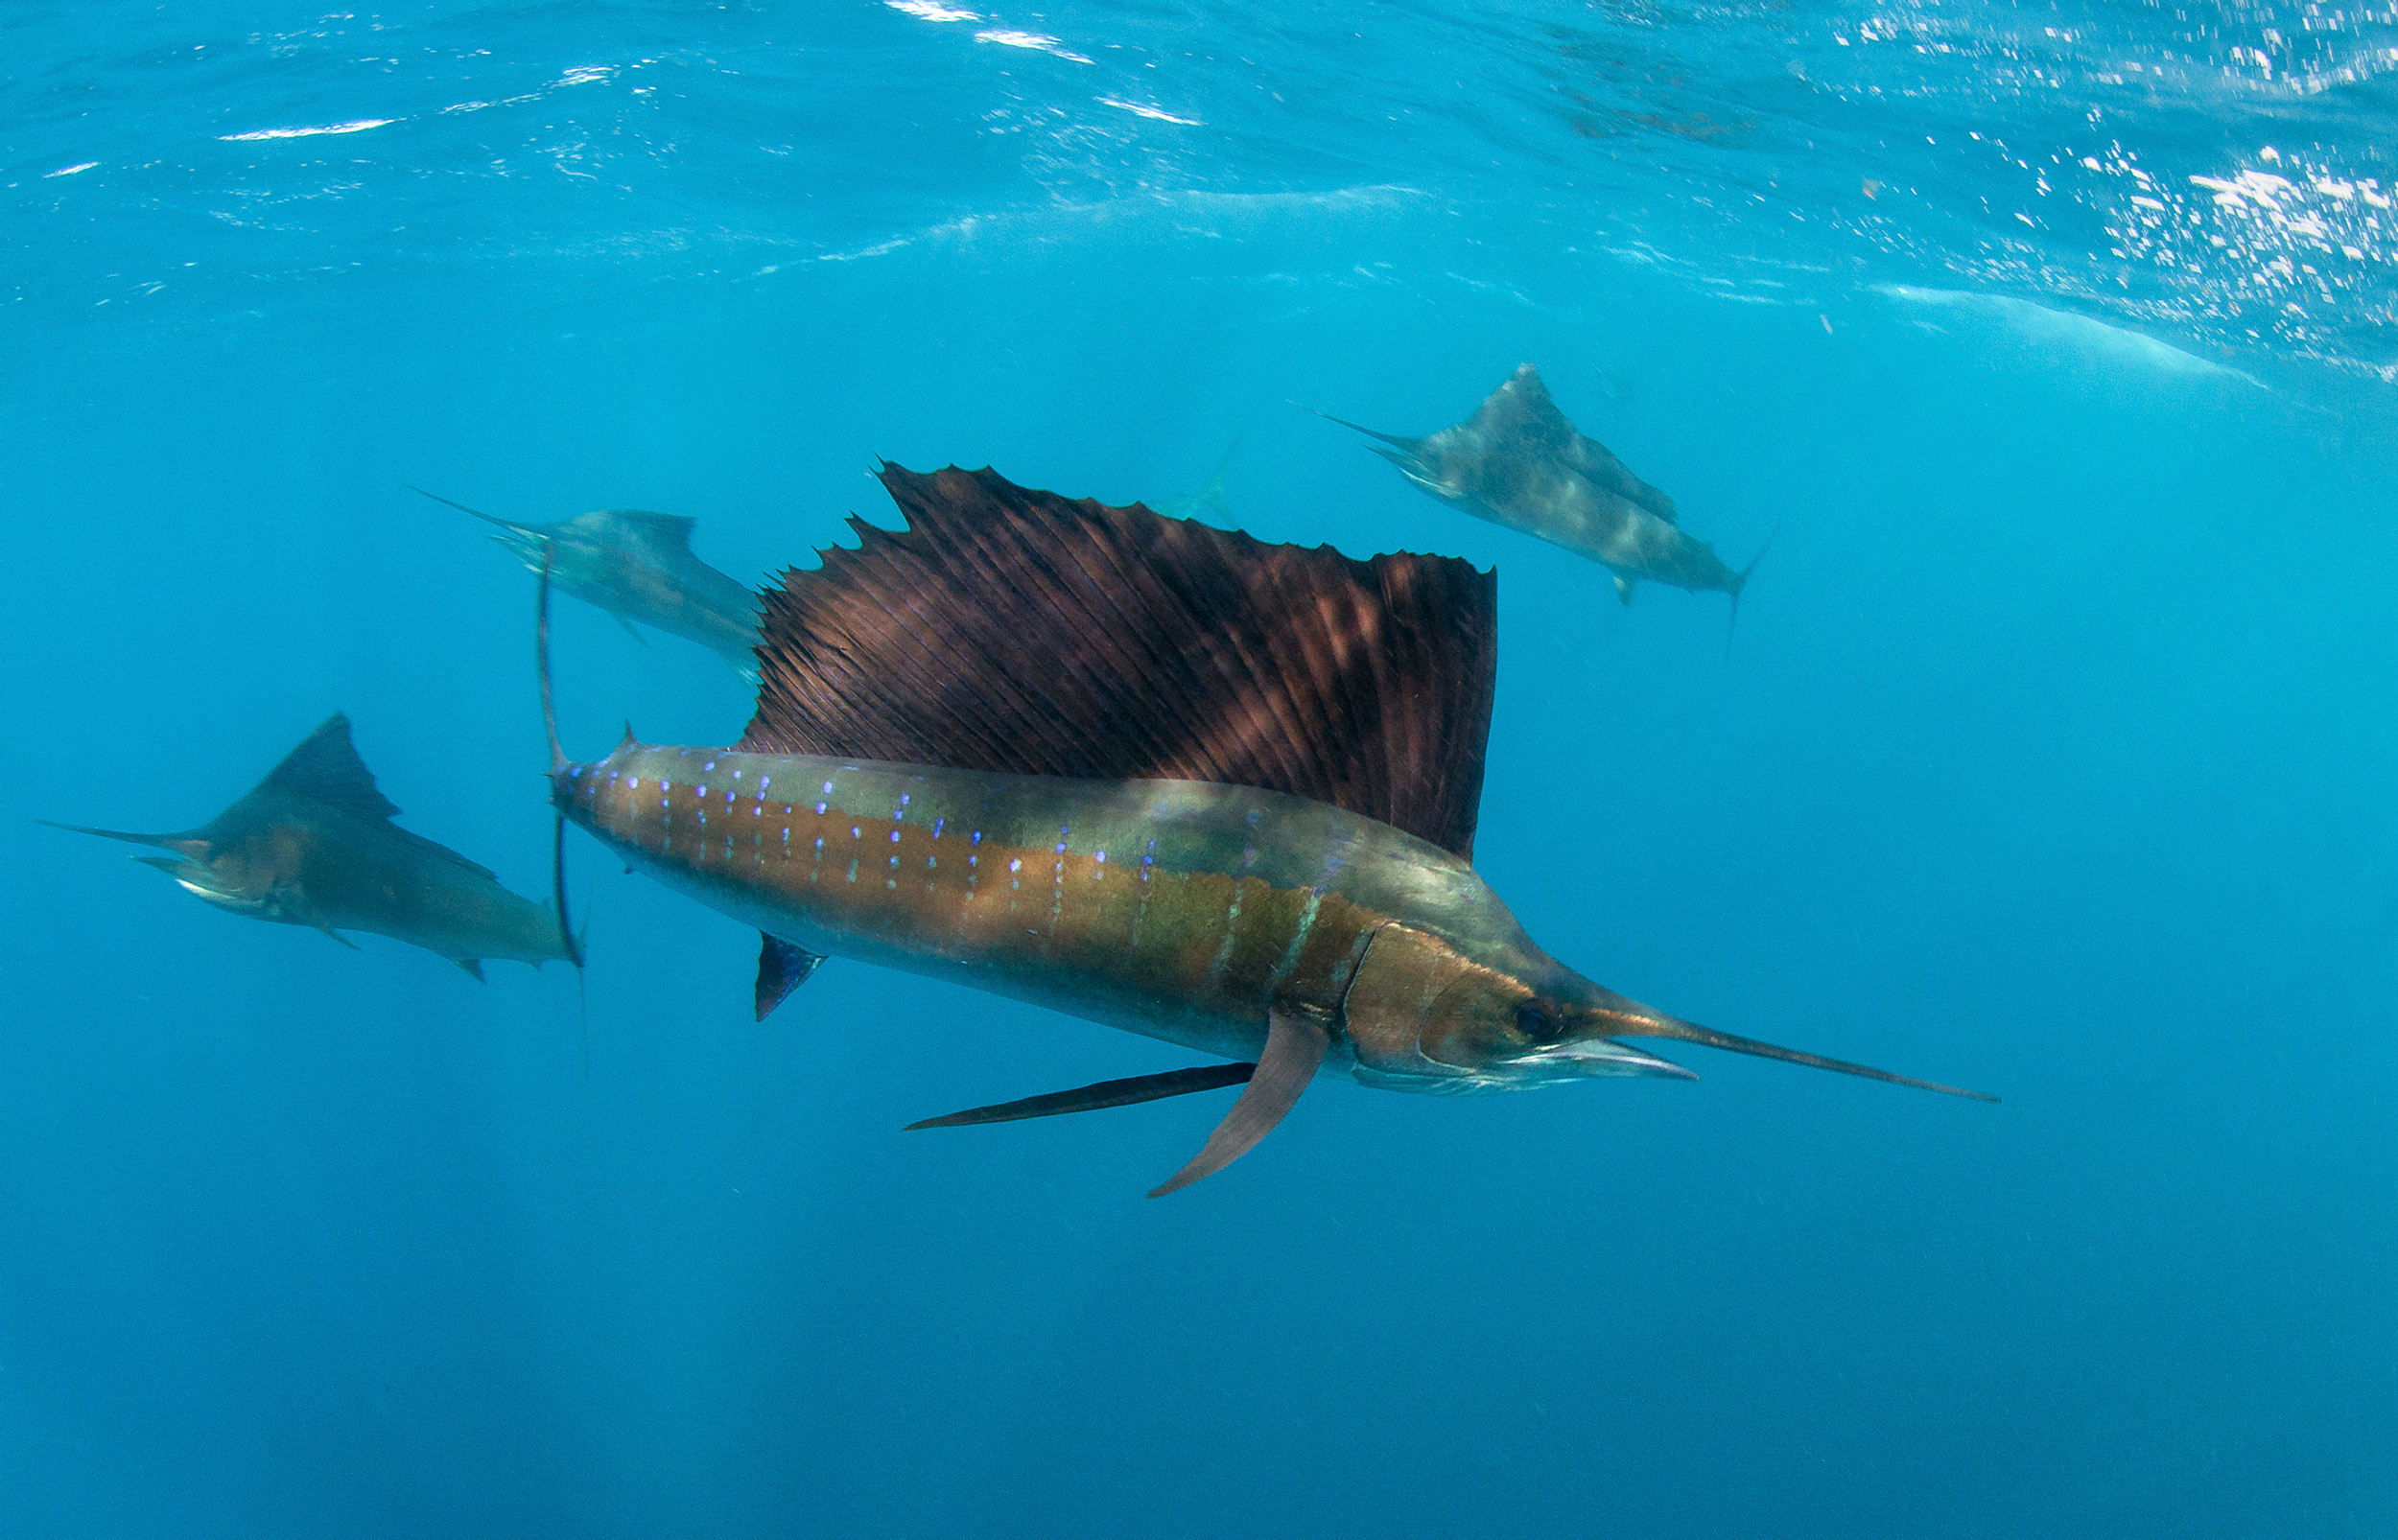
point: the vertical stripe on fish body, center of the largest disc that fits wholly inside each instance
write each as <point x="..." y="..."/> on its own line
<point x="1180" y="910"/>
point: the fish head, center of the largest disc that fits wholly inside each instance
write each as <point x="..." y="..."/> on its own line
<point x="1445" y="1017"/>
<point x="221" y="879"/>
<point x="256" y="870"/>
<point x="1439" y="465"/>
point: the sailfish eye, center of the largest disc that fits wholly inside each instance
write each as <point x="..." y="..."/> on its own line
<point x="1538" y="1024"/>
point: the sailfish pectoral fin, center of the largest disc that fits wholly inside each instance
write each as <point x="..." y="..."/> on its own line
<point x="1106" y="1093"/>
<point x="1295" y="1046"/>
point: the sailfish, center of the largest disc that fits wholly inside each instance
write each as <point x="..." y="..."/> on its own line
<point x="312" y="843"/>
<point x="637" y="566"/>
<point x="1519" y="461"/>
<point x="1140" y="771"/>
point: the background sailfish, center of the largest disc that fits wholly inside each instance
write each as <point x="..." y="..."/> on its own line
<point x="314" y="844"/>
<point x="1143" y="772"/>
<point x="1517" y="461"/>
<point x="637" y="566"/>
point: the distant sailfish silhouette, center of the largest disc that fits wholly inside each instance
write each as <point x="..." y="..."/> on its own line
<point x="1517" y="461"/>
<point x="314" y="844"/>
<point x="1209" y="502"/>
<point x="637" y="566"/>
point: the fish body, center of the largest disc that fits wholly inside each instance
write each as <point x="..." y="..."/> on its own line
<point x="1520" y="462"/>
<point x="1180" y="910"/>
<point x="639" y="566"/>
<point x="314" y="845"/>
<point x="1144" y="772"/>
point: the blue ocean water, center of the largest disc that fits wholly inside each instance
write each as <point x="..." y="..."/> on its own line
<point x="2052" y="347"/>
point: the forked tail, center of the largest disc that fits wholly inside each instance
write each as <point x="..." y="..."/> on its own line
<point x="1213" y="494"/>
<point x="1740" y="580"/>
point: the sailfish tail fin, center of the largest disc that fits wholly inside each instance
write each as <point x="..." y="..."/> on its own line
<point x="1213" y="494"/>
<point x="1740" y="580"/>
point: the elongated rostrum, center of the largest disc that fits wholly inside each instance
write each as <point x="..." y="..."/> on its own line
<point x="1143" y="772"/>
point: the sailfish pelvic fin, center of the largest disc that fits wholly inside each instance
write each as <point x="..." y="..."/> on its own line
<point x="571" y="944"/>
<point x="1105" y="1093"/>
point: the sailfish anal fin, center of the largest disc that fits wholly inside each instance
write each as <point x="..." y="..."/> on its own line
<point x="1295" y="1046"/>
<point x="1104" y="1094"/>
<point x="1005" y="625"/>
<point x="782" y="967"/>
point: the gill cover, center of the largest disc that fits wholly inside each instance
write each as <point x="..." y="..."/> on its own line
<point x="1423" y="1016"/>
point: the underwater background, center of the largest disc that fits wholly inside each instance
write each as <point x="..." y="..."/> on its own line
<point x="2052" y="347"/>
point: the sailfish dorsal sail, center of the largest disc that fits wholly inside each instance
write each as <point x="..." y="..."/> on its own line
<point x="1014" y="630"/>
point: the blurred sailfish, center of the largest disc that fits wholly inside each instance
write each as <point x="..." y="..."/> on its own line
<point x="312" y="843"/>
<point x="1209" y="502"/>
<point x="1519" y="462"/>
<point x="637" y="566"/>
<point x="1140" y="771"/>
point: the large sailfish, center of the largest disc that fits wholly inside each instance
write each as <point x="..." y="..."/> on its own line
<point x="1144" y="772"/>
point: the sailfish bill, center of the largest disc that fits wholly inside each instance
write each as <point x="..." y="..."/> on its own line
<point x="1140" y="771"/>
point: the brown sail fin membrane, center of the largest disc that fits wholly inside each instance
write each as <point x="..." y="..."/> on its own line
<point x="1014" y="630"/>
<point x="1091" y="1098"/>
